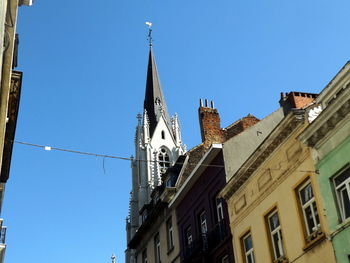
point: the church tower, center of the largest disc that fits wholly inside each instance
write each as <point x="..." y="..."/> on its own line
<point x="157" y="146"/>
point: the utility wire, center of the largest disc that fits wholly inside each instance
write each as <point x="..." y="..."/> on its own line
<point x="49" y="148"/>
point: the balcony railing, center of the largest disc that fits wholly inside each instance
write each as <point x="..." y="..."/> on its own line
<point x="3" y="235"/>
<point x="206" y="242"/>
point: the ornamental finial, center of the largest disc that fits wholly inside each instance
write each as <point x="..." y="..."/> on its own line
<point x="113" y="258"/>
<point x="149" y="24"/>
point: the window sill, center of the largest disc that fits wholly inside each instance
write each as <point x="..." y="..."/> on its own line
<point x="281" y="260"/>
<point x="340" y="227"/>
<point x="312" y="243"/>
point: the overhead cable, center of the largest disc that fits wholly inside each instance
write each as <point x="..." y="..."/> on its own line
<point x="49" y="148"/>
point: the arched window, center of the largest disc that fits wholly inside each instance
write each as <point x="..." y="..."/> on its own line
<point x="163" y="135"/>
<point x="164" y="160"/>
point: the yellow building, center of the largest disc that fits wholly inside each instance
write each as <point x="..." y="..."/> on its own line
<point x="273" y="200"/>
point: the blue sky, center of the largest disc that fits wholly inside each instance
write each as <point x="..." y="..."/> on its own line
<point x="84" y="65"/>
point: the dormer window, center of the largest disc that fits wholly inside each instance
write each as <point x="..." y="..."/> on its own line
<point x="164" y="160"/>
<point x="163" y="135"/>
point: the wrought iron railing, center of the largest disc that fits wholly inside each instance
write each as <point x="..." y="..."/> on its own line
<point x="3" y="235"/>
<point x="206" y="242"/>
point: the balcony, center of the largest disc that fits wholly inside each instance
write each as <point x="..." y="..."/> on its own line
<point x="2" y="241"/>
<point x="3" y="235"/>
<point x="206" y="243"/>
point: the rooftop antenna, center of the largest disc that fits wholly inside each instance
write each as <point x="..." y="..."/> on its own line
<point x="149" y="37"/>
<point x="113" y="258"/>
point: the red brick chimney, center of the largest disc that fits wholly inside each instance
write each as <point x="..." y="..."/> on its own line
<point x="296" y="100"/>
<point x="209" y="121"/>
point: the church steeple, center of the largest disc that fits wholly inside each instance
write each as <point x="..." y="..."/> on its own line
<point x="157" y="147"/>
<point x="154" y="102"/>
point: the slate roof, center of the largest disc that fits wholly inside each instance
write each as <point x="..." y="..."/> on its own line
<point x="154" y="103"/>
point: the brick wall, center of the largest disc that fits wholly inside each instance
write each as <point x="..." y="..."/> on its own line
<point x="209" y="122"/>
<point x="211" y="131"/>
<point x="296" y="100"/>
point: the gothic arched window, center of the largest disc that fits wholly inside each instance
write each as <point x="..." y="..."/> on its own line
<point x="164" y="160"/>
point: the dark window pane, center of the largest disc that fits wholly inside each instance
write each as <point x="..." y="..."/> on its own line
<point x="316" y="213"/>
<point x="276" y="243"/>
<point x="250" y="258"/>
<point x="306" y="194"/>
<point x="309" y="219"/>
<point x="274" y="222"/>
<point x="248" y="244"/>
<point x="346" y="203"/>
<point x="341" y="178"/>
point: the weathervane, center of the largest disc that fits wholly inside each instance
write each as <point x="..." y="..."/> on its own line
<point x="113" y="258"/>
<point x="149" y="24"/>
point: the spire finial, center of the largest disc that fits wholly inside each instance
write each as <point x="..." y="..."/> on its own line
<point x="113" y="258"/>
<point x="149" y="37"/>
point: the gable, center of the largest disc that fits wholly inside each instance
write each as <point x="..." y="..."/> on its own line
<point x="162" y="136"/>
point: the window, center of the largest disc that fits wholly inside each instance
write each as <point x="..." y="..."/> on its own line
<point x="164" y="160"/>
<point x="309" y="208"/>
<point x="157" y="248"/>
<point x="203" y="222"/>
<point x="188" y="234"/>
<point x="169" y="226"/>
<point x="248" y="248"/>
<point x="163" y="135"/>
<point x="219" y="210"/>
<point x="342" y="188"/>
<point x="225" y="259"/>
<point x="144" y="256"/>
<point x="275" y="235"/>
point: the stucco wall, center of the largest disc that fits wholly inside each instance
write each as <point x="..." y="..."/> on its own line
<point x="274" y="185"/>
<point x="328" y="167"/>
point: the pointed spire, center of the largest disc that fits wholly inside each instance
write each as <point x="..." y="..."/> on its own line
<point x="154" y="102"/>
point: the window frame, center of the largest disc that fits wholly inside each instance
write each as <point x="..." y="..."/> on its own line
<point x="245" y="252"/>
<point x="163" y="159"/>
<point x="225" y="259"/>
<point x="309" y="235"/>
<point x="203" y="224"/>
<point x="144" y="256"/>
<point x="338" y="189"/>
<point x="170" y="234"/>
<point x="219" y="210"/>
<point x="271" y="234"/>
<point x="188" y="236"/>
<point x="157" y="248"/>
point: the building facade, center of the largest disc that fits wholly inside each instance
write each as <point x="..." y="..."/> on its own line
<point x="10" y="91"/>
<point x="158" y="145"/>
<point x="329" y="137"/>
<point x="276" y="214"/>
<point x="202" y="216"/>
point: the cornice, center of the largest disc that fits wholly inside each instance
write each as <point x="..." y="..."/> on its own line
<point x="339" y="81"/>
<point x="279" y="179"/>
<point x="328" y="120"/>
